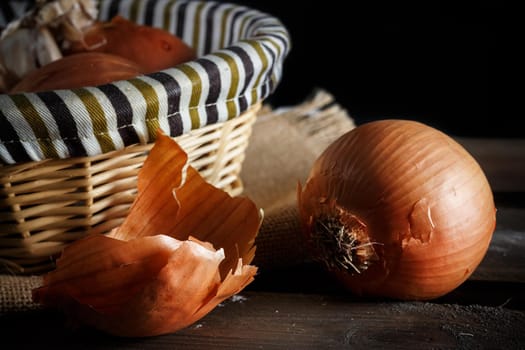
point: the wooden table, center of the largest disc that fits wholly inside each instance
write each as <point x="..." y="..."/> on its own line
<point x="300" y="307"/>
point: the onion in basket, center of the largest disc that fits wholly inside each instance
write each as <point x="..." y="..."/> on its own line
<point x="184" y="248"/>
<point x="79" y="70"/>
<point x="55" y="29"/>
<point x="153" y="49"/>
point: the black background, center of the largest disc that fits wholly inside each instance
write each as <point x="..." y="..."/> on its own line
<point x="455" y="65"/>
<point x="451" y="65"/>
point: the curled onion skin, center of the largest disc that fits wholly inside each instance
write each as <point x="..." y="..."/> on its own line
<point x="397" y="209"/>
<point x="184" y="247"/>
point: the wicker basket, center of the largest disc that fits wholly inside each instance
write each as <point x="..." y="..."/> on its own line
<point x="63" y="176"/>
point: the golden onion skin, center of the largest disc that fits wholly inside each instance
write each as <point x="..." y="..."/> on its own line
<point x="417" y="204"/>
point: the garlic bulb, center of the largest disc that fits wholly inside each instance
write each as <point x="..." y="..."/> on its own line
<point x="38" y="37"/>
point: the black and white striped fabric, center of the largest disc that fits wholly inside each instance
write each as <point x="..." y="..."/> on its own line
<point x="240" y="57"/>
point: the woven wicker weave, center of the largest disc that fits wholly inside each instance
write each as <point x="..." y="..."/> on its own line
<point x="69" y="158"/>
<point x="45" y="205"/>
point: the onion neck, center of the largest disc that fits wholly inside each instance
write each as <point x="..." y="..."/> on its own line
<point x="342" y="242"/>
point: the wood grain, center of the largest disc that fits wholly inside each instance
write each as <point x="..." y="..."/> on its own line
<point x="503" y="161"/>
<point x="302" y="321"/>
<point x="301" y="307"/>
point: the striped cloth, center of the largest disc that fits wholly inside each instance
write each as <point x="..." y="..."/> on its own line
<point x="240" y="57"/>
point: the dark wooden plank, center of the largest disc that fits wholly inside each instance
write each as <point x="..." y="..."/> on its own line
<point x="301" y="307"/>
<point x="503" y="161"/>
<point x="300" y="321"/>
<point x="505" y="260"/>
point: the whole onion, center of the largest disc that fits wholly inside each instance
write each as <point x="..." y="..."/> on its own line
<point x="398" y="209"/>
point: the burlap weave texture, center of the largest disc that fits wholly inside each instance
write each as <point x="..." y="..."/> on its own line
<point x="283" y="146"/>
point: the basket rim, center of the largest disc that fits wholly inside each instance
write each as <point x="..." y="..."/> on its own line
<point x="215" y="87"/>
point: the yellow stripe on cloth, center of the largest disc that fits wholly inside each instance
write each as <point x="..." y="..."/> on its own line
<point x="152" y="106"/>
<point x="134" y="10"/>
<point x="38" y="126"/>
<point x="196" y="92"/>
<point x="264" y="60"/>
<point x="224" y="23"/>
<point x="98" y="119"/>
<point x="234" y="84"/>
<point x="197" y="25"/>
<point x="167" y="18"/>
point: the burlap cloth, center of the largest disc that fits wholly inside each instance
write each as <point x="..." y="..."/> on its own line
<point x="282" y="149"/>
<point x="284" y="144"/>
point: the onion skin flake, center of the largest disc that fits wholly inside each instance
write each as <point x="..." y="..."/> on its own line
<point x="184" y="247"/>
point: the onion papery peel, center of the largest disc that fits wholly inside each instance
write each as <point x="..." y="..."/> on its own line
<point x="184" y="247"/>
